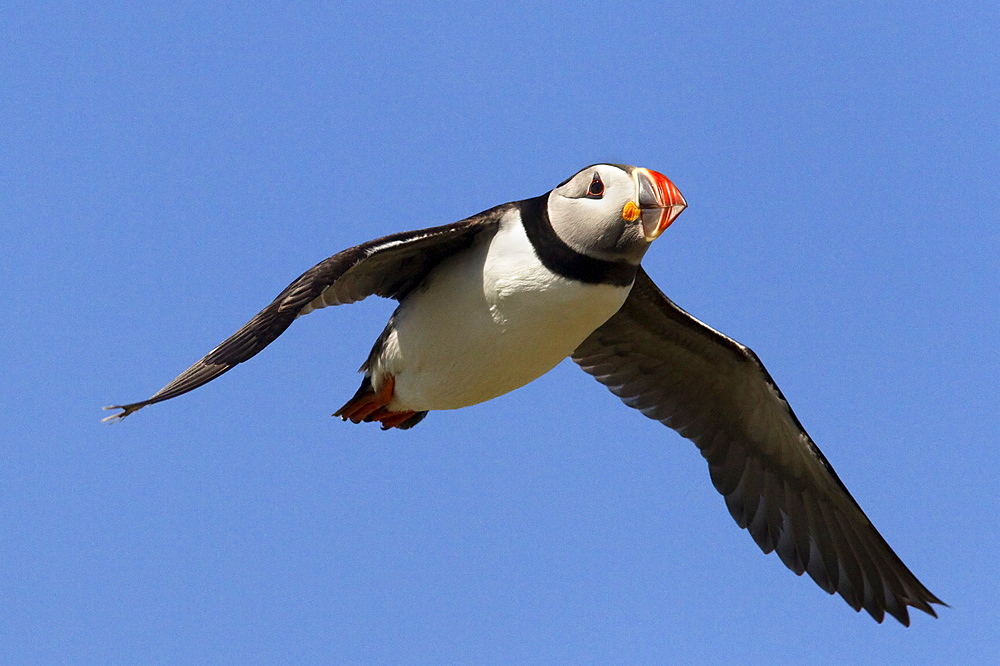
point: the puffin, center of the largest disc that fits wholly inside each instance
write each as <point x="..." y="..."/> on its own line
<point x="492" y="302"/>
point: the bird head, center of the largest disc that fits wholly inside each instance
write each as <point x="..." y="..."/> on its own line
<point x="614" y="211"/>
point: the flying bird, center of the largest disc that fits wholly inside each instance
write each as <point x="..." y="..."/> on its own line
<point x="492" y="302"/>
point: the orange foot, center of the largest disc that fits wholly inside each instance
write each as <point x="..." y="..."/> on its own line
<point x="369" y="405"/>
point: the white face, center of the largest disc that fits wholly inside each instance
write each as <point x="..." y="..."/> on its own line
<point x="588" y="212"/>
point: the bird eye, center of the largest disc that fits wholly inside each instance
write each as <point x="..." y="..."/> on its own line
<point x="596" y="189"/>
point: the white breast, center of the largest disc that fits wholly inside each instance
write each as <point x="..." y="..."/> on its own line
<point x="487" y="322"/>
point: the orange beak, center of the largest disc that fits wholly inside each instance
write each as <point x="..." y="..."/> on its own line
<point x="660" y="202"/>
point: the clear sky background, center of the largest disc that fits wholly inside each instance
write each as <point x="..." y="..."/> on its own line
<point x="167" y="168"/>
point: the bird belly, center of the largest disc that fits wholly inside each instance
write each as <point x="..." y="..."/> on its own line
<point x="485" y="323"/>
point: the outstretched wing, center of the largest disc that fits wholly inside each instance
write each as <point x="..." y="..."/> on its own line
<point x="389" y="267"/>
<point x="777" y="483"/>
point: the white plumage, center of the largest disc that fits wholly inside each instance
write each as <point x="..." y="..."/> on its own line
<point x="487" y="322"/>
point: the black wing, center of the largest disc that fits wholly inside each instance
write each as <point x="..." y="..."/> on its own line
<point x="389" y="267"/>
<point x="777" y="483"/>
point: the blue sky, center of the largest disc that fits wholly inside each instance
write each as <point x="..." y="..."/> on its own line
<point x="166" y="169"/>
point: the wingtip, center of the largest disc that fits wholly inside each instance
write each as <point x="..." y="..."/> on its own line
<point x="902" y="614"/>
<point x="126" y="410"/>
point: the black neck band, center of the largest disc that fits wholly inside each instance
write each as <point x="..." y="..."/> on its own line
<point x="563" y="260"/>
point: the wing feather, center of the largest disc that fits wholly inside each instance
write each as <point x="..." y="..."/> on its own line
<point x="389" y="267"/>
<point x="776" y="482"/>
